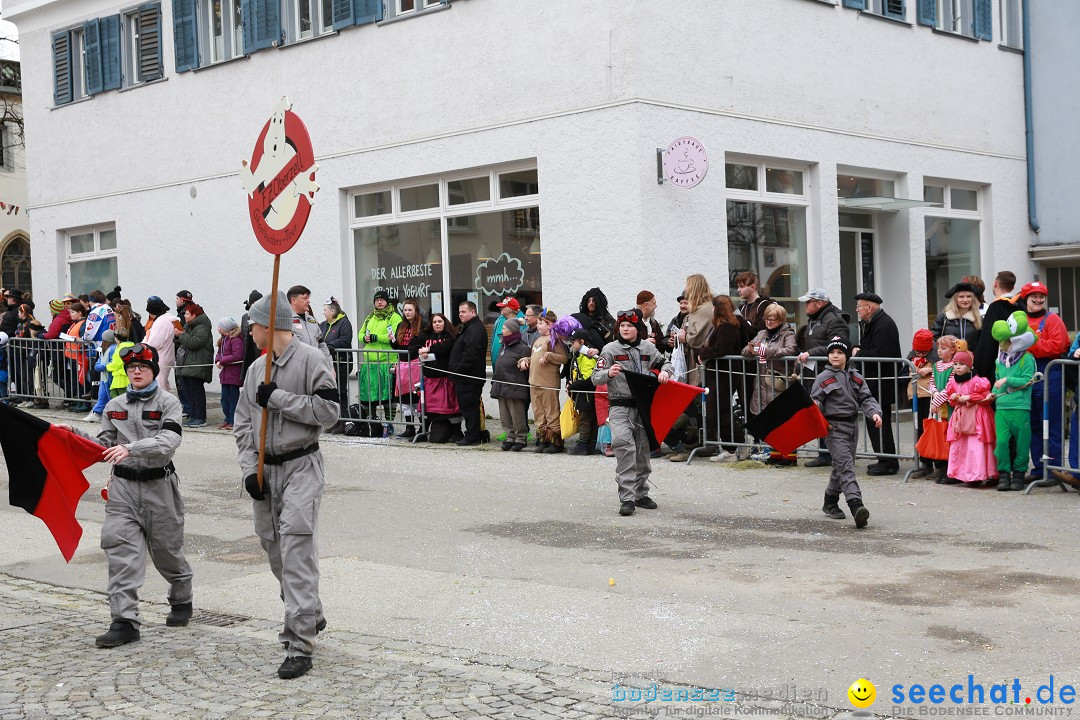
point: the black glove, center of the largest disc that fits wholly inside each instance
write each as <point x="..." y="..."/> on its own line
<point x="251" y="484"/>
<point x="262" y="395"/>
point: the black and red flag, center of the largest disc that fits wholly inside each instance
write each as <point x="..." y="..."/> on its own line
<point x="45" y="465"/>
<point x="659" y="405"/>
<point x="789" y="421"/>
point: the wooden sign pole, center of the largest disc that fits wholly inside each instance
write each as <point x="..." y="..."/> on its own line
<point x="270" y="353"/>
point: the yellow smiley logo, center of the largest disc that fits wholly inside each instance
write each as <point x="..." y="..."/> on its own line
<point x="862" y="693"/>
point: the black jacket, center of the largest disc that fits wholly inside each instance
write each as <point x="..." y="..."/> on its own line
<point x="829" y="322"/>
<point x="467" y="355"/>
<point x="506" y="370"/>
<point x="10" y="320"/>
<point x="986" y="349"/>
<point x="881" y="338"/>
<point x="440" y="345"/>
<point x="339" y="337"/>
<point x="961" y="328"/>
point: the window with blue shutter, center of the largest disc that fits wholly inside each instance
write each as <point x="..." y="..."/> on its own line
<point x="368" y="11"/>
<point x="148" y="50"/>
<point x="185" y="35"/>
<point x="92" y="56"/>
<point x="342" y="13"/>
<point x="61" y="46"/>
<point x="111" y="51"/>
<point x="262" y="24"/>
<point x="895" y="9"/>
<point x="983" y="26"/>
<point x="855" y="4"/>
<point x="927" y="12"/>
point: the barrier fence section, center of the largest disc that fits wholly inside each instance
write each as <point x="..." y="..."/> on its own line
<point x="40" y="371"/>
<point x="389" y="391"/>
<point x="740" y="387"/>
<point x="1059" y="427"/>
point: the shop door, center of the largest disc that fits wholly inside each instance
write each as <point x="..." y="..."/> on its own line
<point x="856" y="271"/>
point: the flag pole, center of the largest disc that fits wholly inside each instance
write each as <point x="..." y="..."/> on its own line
<point x="272" y="337"/>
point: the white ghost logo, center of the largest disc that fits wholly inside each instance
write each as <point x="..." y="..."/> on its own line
<point x="277" y="153"/>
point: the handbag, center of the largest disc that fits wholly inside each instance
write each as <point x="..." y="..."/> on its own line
<point x="932" y="444"/>
<point x="777" y="381"/>
<point x="407" y="377"/>
<point x="568" y="419"/>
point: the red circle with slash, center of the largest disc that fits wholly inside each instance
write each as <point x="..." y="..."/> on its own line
<point x="274" y="241"/>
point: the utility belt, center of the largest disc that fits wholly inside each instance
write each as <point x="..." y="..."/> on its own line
<point x="291" y="455"/>
<point x="840" y="418"/>
<point x="143" y="475"/>
<point x="621" y="402"/>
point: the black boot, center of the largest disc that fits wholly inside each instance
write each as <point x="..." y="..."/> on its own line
<point x="408" y="432"/>
<point x="832" y="507"/>
<point x="179" y="615"/>
<point x="294" y="667"/>
<point x="121" y="632"/>
<point x="582" y="448"/>
<point x="860" y="513"/>
<point x="540" y="447"/>
<point x="1004" y="481"/>
<point x="1019" y="482"/>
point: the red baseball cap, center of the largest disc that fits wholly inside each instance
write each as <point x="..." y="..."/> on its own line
<point x="1033" y="287"/>
<point x="509" y="302"/>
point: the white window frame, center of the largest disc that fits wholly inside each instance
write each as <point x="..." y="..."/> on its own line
<point x="760" y="195"/>
<point x="78" y="64"/>
<point x="445" y="212"/>
<point x="1011" y="24"/>
<point x="398" y="12"/>
<point x="948" y="210"/>
<point x="877" y="7"/>
<point x="232" y="37"/>
<point x="129" y="33"/>
<point x="956" y="16"/>
<point x="71" y="258"/>
<point x="320" y="26"/>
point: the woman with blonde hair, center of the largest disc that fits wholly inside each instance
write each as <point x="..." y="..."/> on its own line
<point x="697" y="326"/>
<point x="961" y="317"/>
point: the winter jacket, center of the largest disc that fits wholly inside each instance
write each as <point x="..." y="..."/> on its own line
<point x="1053" y="338"/>
<point x="961" y="328"/>
<point x="99" y="319"/>
<point x="195" y="351"/>
<point x="114" y="365"/>
<point x="496" y="335"/>
<point x="753" y="313"/>
<point x="374" y="375"/>
<point x="338" y="335"/>
<point x="580" y="387"/>
<point x="986" y="350"/>
<point x="1015" y="375"/>
<point x="601" y="318"/>
<point x="440" y="346"/>
<point x="10" y="319"/>
<point x="160" y="336"/>
<point x="881" y="338"/>
<point x="829" y="322"/>
<point x="506" y="370"/>
<point x="467" y="355"/>
<point x="774" y="350"/>
<point x="546" y="374"/>
<point x="230" y="355"/>
<point x="698" y="325"/>
<point x="59" y="324"/>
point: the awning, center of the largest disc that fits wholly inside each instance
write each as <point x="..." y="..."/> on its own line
<point x="887" y="204"/>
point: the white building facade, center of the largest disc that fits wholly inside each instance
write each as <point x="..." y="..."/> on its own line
<point x="448" y="133"/>
<point x="15" y="263"/>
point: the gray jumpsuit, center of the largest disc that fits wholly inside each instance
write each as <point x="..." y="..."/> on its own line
<point x="306" y="329"/>
<point x="629" y="441"/>
<point x="840" y="394"/>
<point x="143" y="514"/>
<point x="286" y="521"/>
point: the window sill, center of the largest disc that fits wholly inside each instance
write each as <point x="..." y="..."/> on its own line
<point x="128" y="88"/>
<point x="415" y="14"/>
<point x="219" y="63"/>
<point x="886" y="18"/>
<point x="956" y="35"/>
<point x="1010" y="49"/>
<point x="84" y="98"/>
<point x="305" y="41"/>
<point x="825" y="2"/>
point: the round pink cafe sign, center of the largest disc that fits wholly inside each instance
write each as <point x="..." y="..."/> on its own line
<point x="685" y="162"/>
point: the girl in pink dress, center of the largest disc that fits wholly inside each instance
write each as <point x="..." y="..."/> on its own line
<point x="971" y="426"/>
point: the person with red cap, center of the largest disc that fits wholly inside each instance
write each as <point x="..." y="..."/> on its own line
<point x="1052" y="342"/>
<point x="922" y="356"/>
<point x="509" y="307"/>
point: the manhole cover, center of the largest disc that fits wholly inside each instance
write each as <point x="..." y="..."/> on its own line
<point x="217" y="619"/>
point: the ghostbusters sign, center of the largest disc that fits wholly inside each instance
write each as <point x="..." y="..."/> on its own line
<point x="280" y="180"/>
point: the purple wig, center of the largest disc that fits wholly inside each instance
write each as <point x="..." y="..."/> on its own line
<point x="562" y="328"/>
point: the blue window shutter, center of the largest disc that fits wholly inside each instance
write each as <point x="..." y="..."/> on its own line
<point x="856" y="4"/>
<point x="109" y="29"/>
<point x="148" y="54"/>
<point x="896" y="9"/>
<point x="185" y="35"/>
<point x="61" y="46"/>
<point x="368" y="11"/>
<point x="247" y="15"/>
<point x="927" y="12"/>
<point x="984" y="20"/>
<point x="92" y="56"/>
<point x="343" y="13"/>
<point x="262" y="24"/>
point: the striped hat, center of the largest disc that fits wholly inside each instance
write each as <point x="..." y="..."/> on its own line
<point x="55" y="306"/>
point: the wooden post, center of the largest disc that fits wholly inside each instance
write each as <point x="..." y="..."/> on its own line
<point x="271" y="338"/>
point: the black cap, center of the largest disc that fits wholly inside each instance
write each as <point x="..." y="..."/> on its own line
<point x="962" y="287"/>
<point x="837" y="343"/>
<point x="870" y="297"/>
<point x="680" y="298"/>
<point x="186" y="294"/>
<point x="580" y="334"/>
<point x="380" y="294"/>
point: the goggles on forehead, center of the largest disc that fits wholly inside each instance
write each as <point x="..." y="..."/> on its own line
<point x="630" y="316"/>
<point x="138" y="352"/>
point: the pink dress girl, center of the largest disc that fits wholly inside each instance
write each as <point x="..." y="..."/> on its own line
<point x="971" y="425"/>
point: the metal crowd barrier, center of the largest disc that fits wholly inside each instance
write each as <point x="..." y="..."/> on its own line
<point x="1054" y="392"/>
<point x="733" y="380"/>
<point x="377" y="400"/>
<point x="41" y="371"/>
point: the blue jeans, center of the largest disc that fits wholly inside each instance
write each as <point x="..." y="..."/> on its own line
<point x="1053" y="386"/>
<point x="230" y="396"/>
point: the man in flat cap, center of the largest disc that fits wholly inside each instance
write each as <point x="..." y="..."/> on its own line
<point x="824" y="322"/>
<point x="879" y="338"/>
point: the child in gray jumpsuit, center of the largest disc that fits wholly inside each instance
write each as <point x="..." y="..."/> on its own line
<point x="629" y="440"/>
<point x="840" y="393"/>
<point x="144" y="512"/>
<point x="302" y="399"/>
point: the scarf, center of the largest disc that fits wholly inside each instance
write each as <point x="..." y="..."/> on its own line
<point x="961" y="378"/>
<point x="1037" y="314"/>
<point x="511" y="339"/>
<point x="145" y="394"/>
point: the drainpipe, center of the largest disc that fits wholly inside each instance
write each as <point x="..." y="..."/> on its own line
<point x="1029" y="131"/>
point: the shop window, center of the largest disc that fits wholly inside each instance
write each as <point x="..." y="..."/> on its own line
<point x="518" y="184"/>
<point x="853" y="186"/>
<point x="741" y="177"/>
<point x="91" y="255"/>
<point x="469" y="190"/>
<point x="421" y="197"/>
<point x="403" y="259"/>
<point x="953" y="239"/>
<point x="372" y="204"/>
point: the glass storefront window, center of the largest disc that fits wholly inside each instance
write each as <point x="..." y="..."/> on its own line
<point x="372" y="204"/>
<point x="856" y="220"/>
<point x="470" y="190"/>
<point x="789" y="182"/>
<point x="769" y="240"/>
<point x="421" y="197"/>
<point x="741" y="177"/>
<point x="952" y="251"/>
<point x="403" y="259"/>
<point x="509" y="240"/>
<point x="852" y="186"/>
<point x="934" y="194"/>
<point x="961" y="199"/>
<point x="518" y="184"/>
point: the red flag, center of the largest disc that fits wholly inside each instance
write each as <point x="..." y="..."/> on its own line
<point x="789" y="421"/>
<point x="45" y="467"/>
<point x="659" y="405"/>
